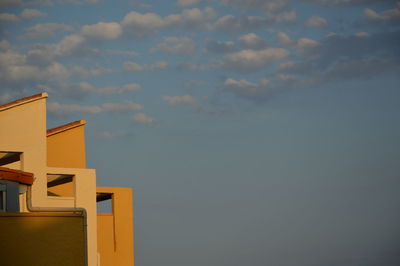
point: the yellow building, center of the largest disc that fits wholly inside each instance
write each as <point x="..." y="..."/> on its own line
<point x="48" y="210"/>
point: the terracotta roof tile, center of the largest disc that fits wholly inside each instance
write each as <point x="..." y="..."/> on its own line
<point x="23" y="100"/>
<point x="16" y="175"/>
<point x="65" y="127"/>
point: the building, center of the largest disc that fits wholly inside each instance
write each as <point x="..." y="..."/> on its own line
<point x="48" y="198"/>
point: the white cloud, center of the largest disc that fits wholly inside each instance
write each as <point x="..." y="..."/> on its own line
<point x="84" y="72"/>
<point x="392" y="15"/>
<point x="45" y="30"/>
<point x="132" y="66"/>
<point x="139" y="25"/>
<point x="186" y="3"/>
<point x="61" y="109"/>
<point x="362" y="34"/>
<point x="123" y="52"/>
<point x="179" y="100"/>
<point x="102" y="31"/>
<point x="219" y="47"/>
<point x="7" y="17"/>
<point x="253" y="60"/>
<point x="4" y="45"/>
<point x="303" y="44"/>
<point x="176" y="45"/>
<point x="78" y="90"/>
<point x="284" y="39"/>
<point x="114" y="135"/>
<point x="16" y="70"/>
<point x="142" y="118"/>
<point x="258" y="91"/>
<point x="252" y="41"/>
<point x="316" y="22"/>
<point x="32" y="13"/>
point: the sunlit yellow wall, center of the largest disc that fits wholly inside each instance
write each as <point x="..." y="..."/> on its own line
<point x="23" y="129"/>
<point x="42" y="239"/>
<point x="67" y="148"/>
<point x="115" y="230"/>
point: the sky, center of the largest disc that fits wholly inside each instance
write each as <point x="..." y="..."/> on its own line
<point x="254" y="132"/>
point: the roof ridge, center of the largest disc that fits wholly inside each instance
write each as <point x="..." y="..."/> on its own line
<point x="65" y="127"/>
<point x="23" y="100"/>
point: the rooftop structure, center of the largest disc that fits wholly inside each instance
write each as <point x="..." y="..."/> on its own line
<point x="48" y="198"/>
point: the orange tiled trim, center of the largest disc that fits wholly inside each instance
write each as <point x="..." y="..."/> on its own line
<point x="65" y="127"/>
<point x="24" y="100"/>
<point x="16" y="175"/>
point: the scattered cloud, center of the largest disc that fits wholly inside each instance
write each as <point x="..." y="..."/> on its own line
<point x="81" y="89"/>
<point x="114" y="135"/>
<point x="46" y="30"/>
<point x="390" y="15"/>
<point x="219" y="47"/>
<point x="284" y="39"/>
<point x="316" y="22"/>
<point x="231" y="23"/>
<point x="132" y="66"/>
<point x="258" y="91"/>
<point x="142" y="118"/>
<point x="32" y="13"/>
<point x="176" y="45"/>
<point x="16" y="70"/>
<point x="186" y="3"/>
<point x="179" y="100"/>
<point x="249" y="60"/>
<point x="62" y="109"/>
<point x="252" y="41"/>
<point x="7" y="17"/>
<point x="102" y="31"/>
<point x="122" y="52"/>
<point x="85" y="72"/>
<point x="139" y="25"/>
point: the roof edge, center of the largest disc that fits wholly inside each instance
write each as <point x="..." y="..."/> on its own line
<point x="16" y="176"/>
<point x="23" y="101"/>
<point x="65" y="127"/>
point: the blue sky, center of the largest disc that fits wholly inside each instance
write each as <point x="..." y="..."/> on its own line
<point x="254" y="132"/>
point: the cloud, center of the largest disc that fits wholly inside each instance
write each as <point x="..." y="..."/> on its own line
<point x="7" y="17"/>
<point x="32" y="13"/>
<point x="176" y="45"/>
<point x="81" y="89"/>
<point x="186" y="3"/>
<point x="62" y="109"/>
<point x="270" y="7"/>
<point x="253" y="60"/>
<point x="193" y="66"/>
<point x="390" y="15"/>
<point x="305" y="44"/>
<point x="252" y="41"/>
<point x="46" y="30"/>
<point x="102" y="31"/>
<point x="179" y="100"/>
<point x="114" y="135"/>
<point x="142" y="118"/>
<point x="258" y="91"/>
<point x="140" y="25"/>
<point x="132" y="66"/>
<point x="219" y="47"/>
<point x="316" y="22"/>
<point x="284" y="39"/>
<point x="234" y="24"/>
<point x="339" y="3"/>
<point x="85" y="73"/>
<point x="122" y="52"/>
<point x="16" y="70"/>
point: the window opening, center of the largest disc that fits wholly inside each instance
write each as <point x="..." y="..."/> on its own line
<point x="59" y="185"/>
<point x="104" y="202"/>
